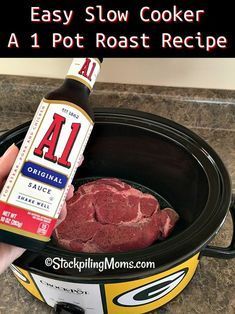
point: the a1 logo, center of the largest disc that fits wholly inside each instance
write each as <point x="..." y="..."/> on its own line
<point x="87" y="69"/>
<point x="51" y="138"/>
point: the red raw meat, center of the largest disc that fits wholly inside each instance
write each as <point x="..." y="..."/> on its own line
<point x="108" y="215"/>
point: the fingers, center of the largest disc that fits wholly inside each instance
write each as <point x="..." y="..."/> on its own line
<point x="80" y="161"/>
<point x="7" y="160"/>
<point x="70" y="192"/>
<point x="62" y="215"/>
<point x="8" y="254"/>
<point x="63" y="212"/>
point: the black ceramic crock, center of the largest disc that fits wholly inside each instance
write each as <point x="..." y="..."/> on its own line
<point x="160" y="156"/>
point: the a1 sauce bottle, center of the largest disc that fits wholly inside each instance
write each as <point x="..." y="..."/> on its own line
<point x="36" y="188"/>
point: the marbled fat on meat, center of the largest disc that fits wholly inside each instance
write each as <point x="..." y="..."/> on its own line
<point x="108" y="215"/>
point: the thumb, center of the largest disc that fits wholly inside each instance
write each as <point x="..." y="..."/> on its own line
<point x="7" y="160"/>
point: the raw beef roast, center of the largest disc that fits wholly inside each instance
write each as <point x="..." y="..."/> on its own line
<point x="108" y="215"/>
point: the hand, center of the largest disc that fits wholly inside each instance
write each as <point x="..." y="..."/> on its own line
<point x="9" y="253"/>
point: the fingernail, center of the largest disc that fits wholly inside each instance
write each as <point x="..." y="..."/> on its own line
<point x="9" y="148"/>
<point x="72" y="186"/>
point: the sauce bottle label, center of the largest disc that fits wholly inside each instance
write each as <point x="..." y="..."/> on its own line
<point x="36" y="188"/>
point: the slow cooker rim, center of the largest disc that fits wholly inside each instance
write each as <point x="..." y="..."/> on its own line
<point x="182" y="234"/>
<point x="163" y="121"/>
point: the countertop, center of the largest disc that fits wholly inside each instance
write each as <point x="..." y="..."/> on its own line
<point x="209" y="113"/>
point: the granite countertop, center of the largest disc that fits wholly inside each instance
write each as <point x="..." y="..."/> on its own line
<point x="209" y="113"/>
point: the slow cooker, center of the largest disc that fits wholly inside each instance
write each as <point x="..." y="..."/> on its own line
<point x="163" y="158"/>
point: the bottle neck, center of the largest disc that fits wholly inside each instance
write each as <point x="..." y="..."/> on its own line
<point x="85" y="71"/>
<point x="78" y="83"/>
